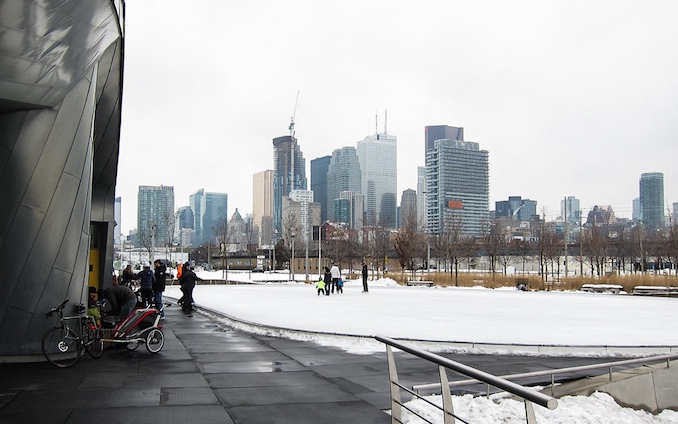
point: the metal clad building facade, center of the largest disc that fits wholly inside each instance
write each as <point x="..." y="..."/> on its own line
<point x="60" y="114"/>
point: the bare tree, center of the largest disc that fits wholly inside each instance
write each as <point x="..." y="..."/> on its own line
<point x="492" y="242"/>
<point x="409" y="243"/>
<point x="451" y="244"/>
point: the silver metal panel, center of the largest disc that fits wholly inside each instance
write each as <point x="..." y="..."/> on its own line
<point x="60" y="92"/>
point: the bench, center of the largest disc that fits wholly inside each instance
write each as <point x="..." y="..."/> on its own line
<point x="602" y="288"/>
<point x="655" y="291"/>
<point x="420" y="283"/>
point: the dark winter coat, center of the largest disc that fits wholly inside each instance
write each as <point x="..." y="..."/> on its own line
<point x="146" y="277"/>
<point x="160" y="276"/>
<point x="117" y="296"/>
<point x="188" y="278"/>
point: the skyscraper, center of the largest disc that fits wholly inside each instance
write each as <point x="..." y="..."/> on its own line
<point x="652" y="199"/>
<point x="262" y="206"/>
<point x="348" y="209"/>
<point x="213" y="209"/>
<point x="194" y="201"/>
<point x="570" y="209"/>
<point x="441" y="132"/>
<point x="408" y="208"/>
<point x="457" y="186"/>
<point x="377" y="155"/>
<point x="319" y="168"/>
<point x="184" y="224"/>
<point x="290" y="174"/>
<point x="300" y="213"/>
<point x="421" y="197"/>
<point x="343" y="174"/>
<point x="117" y="214"/>
<point x="155" y="217"/>
<point x="516" y="207"/>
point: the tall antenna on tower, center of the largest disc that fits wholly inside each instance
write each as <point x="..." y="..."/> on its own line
<point x="385" y="120"/>
<point x="376" y="122"/>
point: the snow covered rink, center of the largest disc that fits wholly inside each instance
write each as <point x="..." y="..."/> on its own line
<point x="574" y="323"/>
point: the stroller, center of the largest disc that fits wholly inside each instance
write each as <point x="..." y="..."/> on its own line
<point x="141" y="326"/>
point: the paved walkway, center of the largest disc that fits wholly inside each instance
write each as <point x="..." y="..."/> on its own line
<point x="207" y="373"/>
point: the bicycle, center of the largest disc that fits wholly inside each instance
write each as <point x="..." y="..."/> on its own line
<point x="62" y="346"/>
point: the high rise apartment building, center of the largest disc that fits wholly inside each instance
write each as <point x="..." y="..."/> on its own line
<point x="290" y="174"/>
<point x="652" y="200"/>
<point x="377" y="155"/>
<point x="319" y="169"/>
<point x="262" y="206"/>
<point x="155" y="215"/>
<point x="343" y="174"/>
<point x="457" y="186"/>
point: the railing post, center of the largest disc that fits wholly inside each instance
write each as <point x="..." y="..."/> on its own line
<point x="529" y="412"/>
<point x="396" y="409"/>
<point x="448" y="408"/>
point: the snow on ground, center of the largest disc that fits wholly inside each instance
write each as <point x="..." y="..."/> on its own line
<point x="468" y="315"/>
<point x="478" y="315"/>
<point x="599" y="408"/>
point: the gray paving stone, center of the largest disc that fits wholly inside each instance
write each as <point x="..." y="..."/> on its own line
<point x="318" y="413"/>
<point x="195" y="414"/>
<point x="317" y="393"/>
<point x="251" y="366"/>
<point x="282" y="379"/>
<point x="188" y="396"/>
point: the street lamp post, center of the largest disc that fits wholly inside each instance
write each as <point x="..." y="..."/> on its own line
<point x="292" y="235"/>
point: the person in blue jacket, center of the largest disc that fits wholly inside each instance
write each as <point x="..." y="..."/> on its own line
<point x="146" y="279"/>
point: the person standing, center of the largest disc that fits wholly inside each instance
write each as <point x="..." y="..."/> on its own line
<point x="160" y="272"/>
<point x="336" y="275"/>
<point x="146" y="281"/>
<point x="364" y="277"/>
<point x="187" y="280"/>
<point x="327" y="278"/>
<point x="127" y="277"/>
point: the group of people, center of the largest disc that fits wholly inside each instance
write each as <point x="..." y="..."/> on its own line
<point x="331" y="280"/>
<point x="121" y="296"/>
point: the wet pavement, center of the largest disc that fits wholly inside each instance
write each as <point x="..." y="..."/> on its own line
<point x="208" y="373"/>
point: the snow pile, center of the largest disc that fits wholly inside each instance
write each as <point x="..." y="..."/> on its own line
<point x="595" y="409"/>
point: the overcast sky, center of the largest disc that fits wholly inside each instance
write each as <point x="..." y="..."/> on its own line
<point x="573" y="98"/>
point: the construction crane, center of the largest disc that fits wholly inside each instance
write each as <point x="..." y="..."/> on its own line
<point x="293" y="142"/>
<point x="294" y="114"/>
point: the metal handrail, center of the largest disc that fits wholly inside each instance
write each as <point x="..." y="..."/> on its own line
<point x="668" y="357"/>
<point x="528" y="395"/>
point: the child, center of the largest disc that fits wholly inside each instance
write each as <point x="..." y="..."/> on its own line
<point x="340" y="286"/>
<point x="320" y="285"/>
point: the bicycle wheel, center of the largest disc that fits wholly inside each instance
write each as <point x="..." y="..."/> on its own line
<point x="132" y="345"/>
<point x="91" y="337"/>
<point x="61" y="348"/>
<point x="155" y="340"/>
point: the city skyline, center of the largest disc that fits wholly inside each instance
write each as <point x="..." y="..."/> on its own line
<point x="574" y="99"/>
